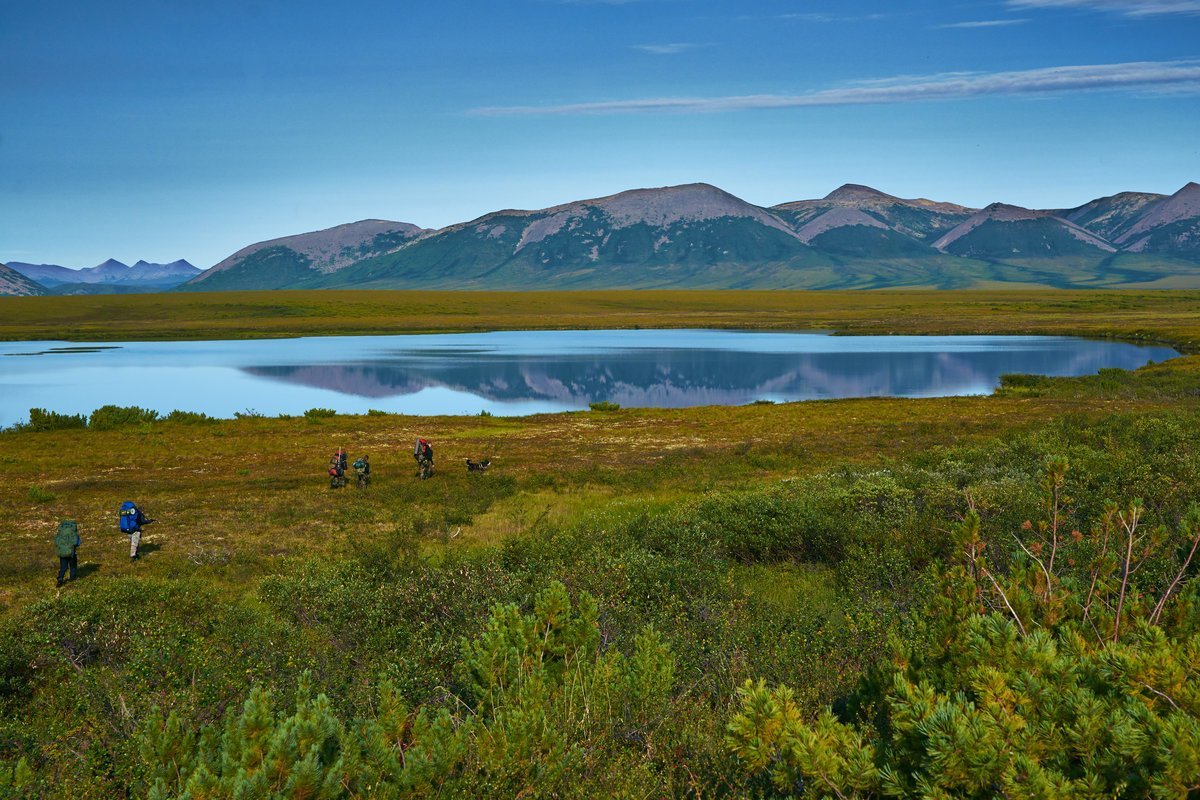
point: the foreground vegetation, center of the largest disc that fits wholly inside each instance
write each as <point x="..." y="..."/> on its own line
<point x="959" y="597"/>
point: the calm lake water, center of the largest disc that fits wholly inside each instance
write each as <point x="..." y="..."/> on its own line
<point x="526" y="372"/>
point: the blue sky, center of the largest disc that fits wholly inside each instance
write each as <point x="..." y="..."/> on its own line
<point x="188" y="129"/>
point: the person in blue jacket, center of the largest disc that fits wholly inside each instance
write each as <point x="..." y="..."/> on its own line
<point x="131" y="520"/>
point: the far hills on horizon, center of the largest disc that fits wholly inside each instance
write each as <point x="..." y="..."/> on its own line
<point x="697" y="236"/>
<point x="109" y="277"/>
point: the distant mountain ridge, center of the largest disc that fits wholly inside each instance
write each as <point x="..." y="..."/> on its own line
<point x="112" y="273"/>
<point x="699" y="236"/>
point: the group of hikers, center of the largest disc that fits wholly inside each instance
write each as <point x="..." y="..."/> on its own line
<point x="422" y="452"/>
<point x="130" y="518"/>
<point x="337" y="470"/>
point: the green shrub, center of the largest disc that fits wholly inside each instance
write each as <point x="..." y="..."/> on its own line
<point x="248" y="413"/>
<point x="107" y="418"/>
<point x="189" y="417"/>
<point x="42" y="420"/>
<point x="40" y="495"/>
<point x="542" y="708"/>
<point x="320" y="413"/>
<point x="1049" y="679"/>
<point x="375" y="412"/>
<point x="485" y="413"/>
<point x="604" y="405"/>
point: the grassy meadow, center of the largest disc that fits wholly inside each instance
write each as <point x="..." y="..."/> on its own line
<point x="582" y="619"/>
<point x="1160" y="315"/>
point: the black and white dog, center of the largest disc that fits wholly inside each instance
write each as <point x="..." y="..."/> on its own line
<point x="478" y="466"/>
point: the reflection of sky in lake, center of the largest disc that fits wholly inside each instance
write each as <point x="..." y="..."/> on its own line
<point x="525" y="372"/>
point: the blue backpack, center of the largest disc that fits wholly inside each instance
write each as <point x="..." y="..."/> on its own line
<point x="129" y="517"/>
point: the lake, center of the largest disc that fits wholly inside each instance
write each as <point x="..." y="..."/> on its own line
<point x="527" y="372"/>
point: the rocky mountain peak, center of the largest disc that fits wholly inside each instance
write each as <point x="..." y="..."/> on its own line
<point x="856" y="192"/>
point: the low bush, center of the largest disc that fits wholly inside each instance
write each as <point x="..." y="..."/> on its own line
<point x="320" y="413"/>
<point x="189" y="417"/>
<point x="42" y="420"/>
<point x="107" y="418"/>
<point x="1063" y="676"/>
<point x="604" y="405"/>
<point x="40" y="495"/>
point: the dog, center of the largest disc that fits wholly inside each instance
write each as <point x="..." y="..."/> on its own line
<point x="478" y="466"/>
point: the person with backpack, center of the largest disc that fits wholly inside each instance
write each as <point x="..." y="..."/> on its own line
<point x="362" y="468"/>
<point x="337" y="469"/>
<point x="423" y="453"/>
<point x="130" y="520"/>
<point x="66" y="544"/>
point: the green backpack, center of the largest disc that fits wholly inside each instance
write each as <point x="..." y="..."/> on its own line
<point x="67" y="538"/>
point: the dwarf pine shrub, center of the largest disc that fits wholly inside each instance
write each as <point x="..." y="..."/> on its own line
<point x="1068" y="675"/>
<point x="42" y="420"/>
<point x="110" y="417"/>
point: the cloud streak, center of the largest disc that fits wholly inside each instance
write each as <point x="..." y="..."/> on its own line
<point x="669" y="49"/>
<point x="1129" y="8"/>
<point x="984" y="23"/>
<point x="818" y="17"/>
<point x="905" y="89"/>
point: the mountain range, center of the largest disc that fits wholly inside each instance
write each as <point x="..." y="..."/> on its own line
<point x="698" y="236"/>
<point x="109" y="277"/>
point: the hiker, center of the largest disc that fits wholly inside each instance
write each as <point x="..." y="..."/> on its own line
<point x="362" y="468"/>
<point x="337" y="469"/>
<point x="423" y="453"/>
<point x="130" y="520"/>
<point x="66" y="544"/>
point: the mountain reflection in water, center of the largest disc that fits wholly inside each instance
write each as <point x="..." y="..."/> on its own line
<point x="676" y="378"/>
<point x="526" y="372"/>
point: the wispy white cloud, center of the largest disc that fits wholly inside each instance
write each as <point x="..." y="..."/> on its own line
<point x="669" y="49"/>
<point x="1129" y="8"/>
<point x="985" y="23"/>
<point x="819" y="17"/>
<point x="902" y="89"/>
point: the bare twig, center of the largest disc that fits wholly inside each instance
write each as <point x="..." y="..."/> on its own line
<point x="1162" y="601"/>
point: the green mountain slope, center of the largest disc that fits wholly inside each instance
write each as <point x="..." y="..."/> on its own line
<point x="1171" y="226"/>
<point x="292" y="260"/>
<point x="1109" y="217"/>
<point x="920" y="219"/>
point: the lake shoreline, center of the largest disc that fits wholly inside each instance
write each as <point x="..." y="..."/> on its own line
<point x="520" y="373"/>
